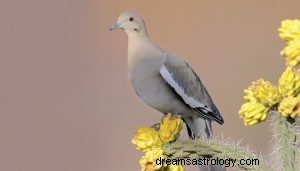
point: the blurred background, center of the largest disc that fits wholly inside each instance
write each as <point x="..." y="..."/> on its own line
<point x="65" y="100"/>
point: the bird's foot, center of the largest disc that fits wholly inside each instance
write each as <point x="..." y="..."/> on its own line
<point x="173" y="115"/>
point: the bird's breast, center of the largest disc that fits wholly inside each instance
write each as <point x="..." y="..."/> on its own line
<point x="150" y="87"/>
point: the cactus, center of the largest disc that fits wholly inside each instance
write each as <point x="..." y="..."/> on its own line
<point x="213" y="149"/>
<point x="287" y="142"/>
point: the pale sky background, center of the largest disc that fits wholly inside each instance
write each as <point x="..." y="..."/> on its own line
<point x="65" y="100"/>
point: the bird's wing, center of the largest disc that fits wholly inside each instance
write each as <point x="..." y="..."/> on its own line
<point x="181" y="78"/>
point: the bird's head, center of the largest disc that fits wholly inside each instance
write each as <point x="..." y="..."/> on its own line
<point x="131" y="22"/>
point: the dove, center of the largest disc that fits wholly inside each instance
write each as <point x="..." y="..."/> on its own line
<point x="166" y="82"/>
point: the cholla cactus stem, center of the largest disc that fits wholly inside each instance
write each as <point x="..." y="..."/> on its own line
<point x="214" y="148"/>
<point x="286" y="138"/>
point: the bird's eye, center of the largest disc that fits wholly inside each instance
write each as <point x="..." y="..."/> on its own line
<point x="131" y="19"/>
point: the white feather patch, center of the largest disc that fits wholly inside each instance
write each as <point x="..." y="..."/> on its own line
<point x="187" y="99"/>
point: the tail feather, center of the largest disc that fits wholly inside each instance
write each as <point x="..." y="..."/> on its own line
<point x="201" y="128"/>
<point x="198" y="127"/>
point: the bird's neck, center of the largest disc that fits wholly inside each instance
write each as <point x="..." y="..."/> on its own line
<point x="138" y="46"/>
<point x="135" y="39"/>
<point x="137" y="42"/>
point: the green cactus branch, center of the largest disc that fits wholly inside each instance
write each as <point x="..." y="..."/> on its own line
<point x="286" y="139"/>
<point x="212" y="149"/>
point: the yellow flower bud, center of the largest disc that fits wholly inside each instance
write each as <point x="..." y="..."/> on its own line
<point x="262" y="92"/>
<point x="289" y="30"/>
<point x="290" y="106"/>
<point x="148" y="161"/>
<point x="292" y="52"/>
<point x="253" y="113"/>
<point x="289" y="82"/>
<point x="170" y="128"/>
<point x="146" y="138"/>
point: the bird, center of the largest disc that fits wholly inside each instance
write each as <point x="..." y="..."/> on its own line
<point x="165" y="81"/>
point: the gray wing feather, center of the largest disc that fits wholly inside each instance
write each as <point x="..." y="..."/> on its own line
<point x="186" y="83"/>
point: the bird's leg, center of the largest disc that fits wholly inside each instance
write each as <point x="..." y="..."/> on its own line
<point x="175" y="115"/>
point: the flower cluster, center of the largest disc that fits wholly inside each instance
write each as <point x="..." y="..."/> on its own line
<point x="290" y="106"/>
<point x="289" y="87"/>
<point x="146" y="138"/>
<point x="262" y="95"/>
<point x="263" y="92"/>
<point x="289" y="82"/>
<point x="170" y="128"/>
<point x="150" y="141"/>
<point x="253" y="112"/>
<point x="290" y="32"/>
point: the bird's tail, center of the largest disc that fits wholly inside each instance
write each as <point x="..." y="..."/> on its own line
<point x="198" y="127"/>
<point x="201" y="128"/>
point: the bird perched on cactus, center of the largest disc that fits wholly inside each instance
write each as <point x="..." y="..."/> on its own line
<point x="165" y="81"/>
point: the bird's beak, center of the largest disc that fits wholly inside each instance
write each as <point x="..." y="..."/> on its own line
<point x="115" y="26"/>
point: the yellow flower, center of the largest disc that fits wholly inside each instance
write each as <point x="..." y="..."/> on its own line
<point x="148" y="161"/>
<point x="290" y="106"/>
<point x="146" y="138"/>
<point x="289" y="30"/>
<point x="289" y="82"/>
<point x="253" y="112"/>
<point x="292" y="52"/>
<point x="170" y="128"/>
<point x="263" y="92"/>
<point x="175" y="168"/>
<point x="150" y="141"/>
